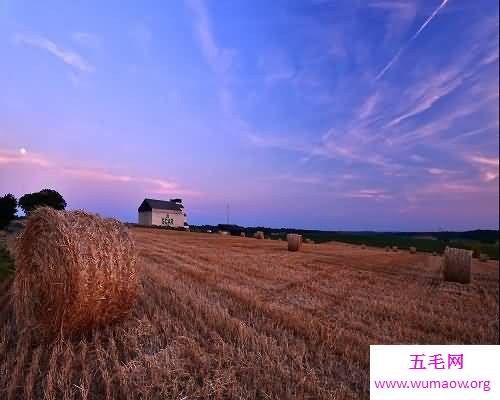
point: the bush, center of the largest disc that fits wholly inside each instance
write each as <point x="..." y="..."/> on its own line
<point x="8" y="209"/>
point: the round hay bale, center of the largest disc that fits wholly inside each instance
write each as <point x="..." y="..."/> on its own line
<point x="74" y="270"/>
<point x="259" y="235"/>
<point x="434" y="253"/>
<point x="457" y="265"/>
<point x="294" y="241"/>
<point x="363" y="246"/>
<point x="413" y="250"/>
<point x="242" y="234"/>
<point x="387" y="248"/>
<point x="484" y="257"/>
<point x="223" y="233"/>
<point x="395" y="248"/>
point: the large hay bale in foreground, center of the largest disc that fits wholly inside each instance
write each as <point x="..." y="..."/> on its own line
<point x="74" y="270"/>
<point x="294" y="241"/>
<point x="457" y="265"/>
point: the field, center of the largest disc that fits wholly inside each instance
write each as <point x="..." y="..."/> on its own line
<point x="238" y="318"/>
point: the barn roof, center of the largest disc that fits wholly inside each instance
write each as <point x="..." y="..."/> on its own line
<point x="149" y="204"/>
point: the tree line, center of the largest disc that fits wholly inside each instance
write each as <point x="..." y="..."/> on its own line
<point x="27" y="203"/>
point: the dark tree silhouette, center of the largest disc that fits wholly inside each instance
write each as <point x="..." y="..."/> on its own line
<point x="8" y="208"/>
<point x="45" y="197"/>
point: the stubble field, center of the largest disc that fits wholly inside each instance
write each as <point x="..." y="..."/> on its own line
<point x="239" y="318"/>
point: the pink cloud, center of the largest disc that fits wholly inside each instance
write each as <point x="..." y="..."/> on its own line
<point x="61" y="170"/>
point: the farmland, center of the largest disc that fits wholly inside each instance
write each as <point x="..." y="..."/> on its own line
<point x="230" y="317"/>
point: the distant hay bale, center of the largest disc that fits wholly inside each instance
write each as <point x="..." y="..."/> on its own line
<point x="484" y="257"/>
<point x="457" y="265"/>
<point x="242" y="234"/>
<point x="395" y="248"/>
<point x="387" y="248"/>
<point x="434" y="253"/>
<point x="74" y="270"/>
<point x="223" y="233"/>
<point x="259" y="235"/>
<point x="309" y="241"/>
<point x="363" y="246"/>
<point x="294" y="241"/>
<point x="413" y="250"/>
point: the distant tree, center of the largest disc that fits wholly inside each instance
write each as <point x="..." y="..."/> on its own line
<point x="8" y="208"/>
<point x="45" y="197"/>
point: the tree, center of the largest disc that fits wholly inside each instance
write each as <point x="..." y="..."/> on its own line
<point x="45" y="197"/>
<point x="8" y="209"/>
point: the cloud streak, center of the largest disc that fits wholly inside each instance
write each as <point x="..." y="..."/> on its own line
<point x="68" y="57"/>
<point x="153" y="185"/>
<point x="407" y="44"/>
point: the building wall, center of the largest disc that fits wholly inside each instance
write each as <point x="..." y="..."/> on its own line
<point x="168" y="217"/>
<point x="145" y="218"/>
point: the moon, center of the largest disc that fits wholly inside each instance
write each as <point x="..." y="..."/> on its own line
<point x="22" y="150"/>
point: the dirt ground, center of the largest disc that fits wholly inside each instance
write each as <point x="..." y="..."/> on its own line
<point x="239" y="318"/>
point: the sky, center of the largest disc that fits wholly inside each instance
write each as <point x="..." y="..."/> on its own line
<point x="319" y="114"/>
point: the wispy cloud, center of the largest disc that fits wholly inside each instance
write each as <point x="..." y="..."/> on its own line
<point x="440" y="171"/>
<point x="276" y="67"/>
<point x="488" y="166"/>
<point x="219" y="58"/>
<point x="87" y="39"/>
<point x="153" y="185"/>
<point x="68" y="57"/>
<point x="376" y="194"/>
<point x="400" y="15"/>
<point x="405" y="46"/>
<point x="491" y="161"/>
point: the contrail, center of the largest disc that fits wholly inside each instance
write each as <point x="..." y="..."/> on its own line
<point x="394" y="59"/>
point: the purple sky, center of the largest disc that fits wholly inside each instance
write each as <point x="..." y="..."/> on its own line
<point x="322" y="114"/>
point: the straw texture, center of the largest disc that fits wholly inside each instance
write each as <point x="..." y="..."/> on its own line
<point x="74" y="270"/>
<point x="457" y="265"/>
<point x="294" y="241"/>
<point x="259" y="235"/>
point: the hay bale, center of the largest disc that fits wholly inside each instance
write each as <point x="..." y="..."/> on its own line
<point x="74" y="270"/>
<point x="242" y="234"/>
<point x="223" y="233"/>
<point x="259" y="235"/>
<point x="363" y="246"/>
<point x="413" y="250"/>
<point x="395" y="248"/>
<point x="310" y="241"/>
<point x="457" y="265"/>
<point x="434" y="253"/>
<point x="484" y="257"/>
<point x="387" y="248"/>
<point x="294" y="241"/>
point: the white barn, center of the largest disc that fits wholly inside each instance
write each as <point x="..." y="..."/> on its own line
<point x="163" y="213"/>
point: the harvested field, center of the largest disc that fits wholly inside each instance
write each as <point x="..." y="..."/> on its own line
<point x="238" y="318"/>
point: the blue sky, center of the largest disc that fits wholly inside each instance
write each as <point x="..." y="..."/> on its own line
<point x="371" y="114"/>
